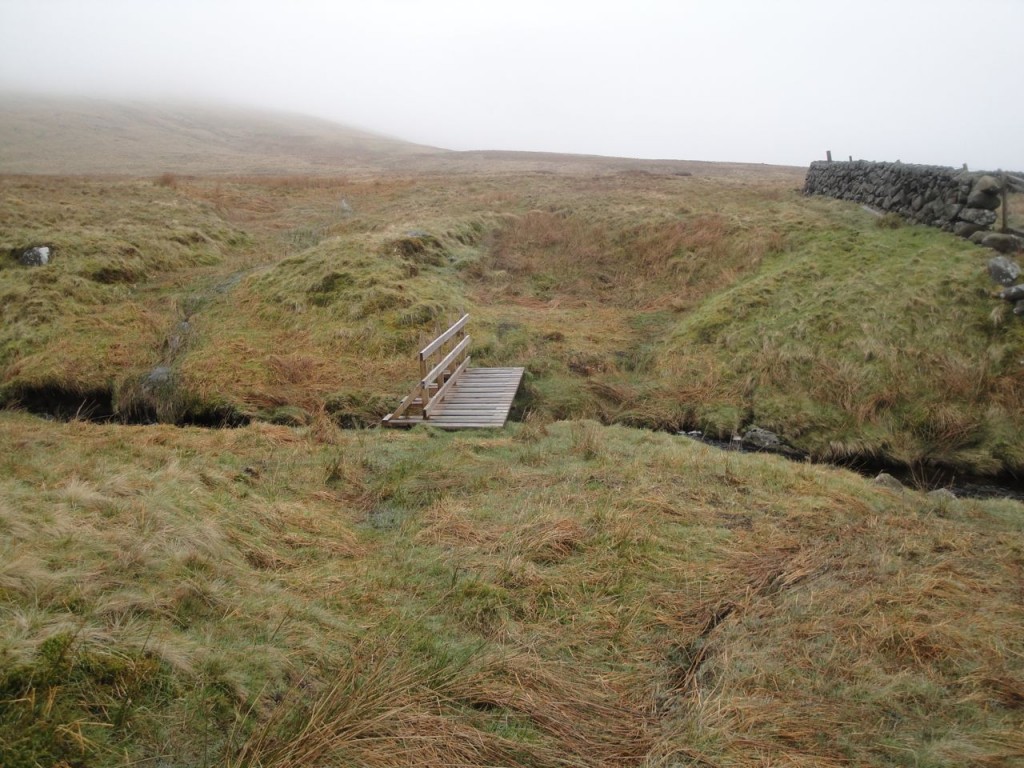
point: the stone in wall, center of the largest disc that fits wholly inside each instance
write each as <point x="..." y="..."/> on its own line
<point x="985" y="193"/>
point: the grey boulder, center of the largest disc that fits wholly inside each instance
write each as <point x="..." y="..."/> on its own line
<point x="1003" y="270"/>
<point x="985" y="193"/>
<point x="1013" y="293"/>
<point x="885" y="480"/>
<point x="34" y="255"/>
<point x="966" y="229"/>
<point x="758" y="439"/>
<point x="157" y="379"/>
<point x="978" y="216"/>
<point x="1004" y="243"/>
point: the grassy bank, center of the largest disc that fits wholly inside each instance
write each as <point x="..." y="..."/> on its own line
<point x="561" y="594"/>
<point x="864" y="341"/>
<point x="706" y="301"/>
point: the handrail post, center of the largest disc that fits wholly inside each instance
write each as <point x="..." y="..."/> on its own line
<point x="423" y="393"/>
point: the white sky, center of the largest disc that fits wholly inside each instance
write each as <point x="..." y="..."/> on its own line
<point x="774" y="81"/>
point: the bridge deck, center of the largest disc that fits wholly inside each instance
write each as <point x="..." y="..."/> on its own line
<point x="480" y="398"/>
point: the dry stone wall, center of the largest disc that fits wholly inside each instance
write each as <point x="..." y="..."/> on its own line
<point x="956" y="201"/>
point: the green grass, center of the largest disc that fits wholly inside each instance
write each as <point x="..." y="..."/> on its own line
<point x="664" y="302"/>
<point x="870" y="341"/>
<point x="582" y="588"/>
<point x="101" y="314"/>
<point x="559" y="594"/>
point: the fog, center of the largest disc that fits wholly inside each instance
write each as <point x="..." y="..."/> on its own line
<point x="732" y="80"/>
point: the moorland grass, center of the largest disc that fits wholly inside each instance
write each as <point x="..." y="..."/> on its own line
<point x="568" y="591"/>
<point x="863" y="341"/>
<point x="127" y="254"/>
<point x="559" y="594"/>
<point x="658" y="301"/>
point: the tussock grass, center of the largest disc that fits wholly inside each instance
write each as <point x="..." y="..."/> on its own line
<point x="892" y="377"/>
<point x="260" y="597"/>
<point x="102" y="311"/>
<point x="710" y="302"/>
<point x="559" y="593"/>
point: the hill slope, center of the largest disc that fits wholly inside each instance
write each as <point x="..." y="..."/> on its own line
<point x="651" y="300"/>
<point x="559" y="593"/>
<point x="87" y="136"/>
<point x="566" y="595"/>
<point x="73" y="136"/>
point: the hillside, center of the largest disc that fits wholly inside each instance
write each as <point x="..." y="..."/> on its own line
<point x="552" y="595"/>
<point x="62" y="135"/>
<point x="655" y="300"/>
<point x="84" y="136"/>
<point x="209" y="555"/>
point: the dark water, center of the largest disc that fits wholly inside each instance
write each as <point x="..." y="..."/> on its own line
<point x="928" y="479"/>
<point x="97" y="406"/>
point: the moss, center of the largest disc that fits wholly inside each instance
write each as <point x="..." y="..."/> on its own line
<point x="70" y="704"/>
<point x="358" y="408"/>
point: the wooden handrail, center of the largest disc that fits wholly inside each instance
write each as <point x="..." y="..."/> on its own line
<point x="437" y="343"/>
<point x="447" y="370"/>
<point x="443" y="389"/>
<point x="445" y="363"/>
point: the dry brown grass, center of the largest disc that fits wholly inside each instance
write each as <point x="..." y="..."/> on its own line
<point x="1015" y="211"/>
<point x="625" y="259"/>
<point x="391" y="599"/>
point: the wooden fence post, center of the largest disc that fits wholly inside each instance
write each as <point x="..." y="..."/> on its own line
<point x="1006" y="201"/>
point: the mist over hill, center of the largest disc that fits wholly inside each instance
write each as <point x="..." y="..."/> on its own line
<point x="209" y="555"/>
<point x="76" y="135"/>
<point x="87" y="136"/>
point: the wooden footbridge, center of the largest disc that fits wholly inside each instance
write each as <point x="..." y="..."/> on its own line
<point x="450" y="394"/>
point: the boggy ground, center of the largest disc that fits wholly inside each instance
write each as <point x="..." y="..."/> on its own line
<point x="714" y="300"/>
<point x="559" y="593"/>
<point x="566" y="594"/>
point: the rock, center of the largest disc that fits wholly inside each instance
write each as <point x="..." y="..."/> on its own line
<point x="1004" y="243"/>
<point x="1003" y="270"/>
<point x="1018" y="308"/>
<point x="1013" y="293"/>
<point x="158" y="378"/>
<point x="177" y="339"/>
<point x="985" y="193"/>
<point x="885" y="480"/>
<point x="978" y="216"/>
<point x="977" y="236"/>
<point x="966" y="229"/>
<point x="942" y="494"/>
<point x="986" y="202"/>
<point x="288" y="416"/>
<point x="757" y="439"/>
<point x="34" y="255"/>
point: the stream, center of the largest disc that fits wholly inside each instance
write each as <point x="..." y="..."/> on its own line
<point x="932" y="478"/>
<point x="98" y="407"/>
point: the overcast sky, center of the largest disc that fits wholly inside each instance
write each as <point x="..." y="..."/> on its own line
<point x="780" y="81"/>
